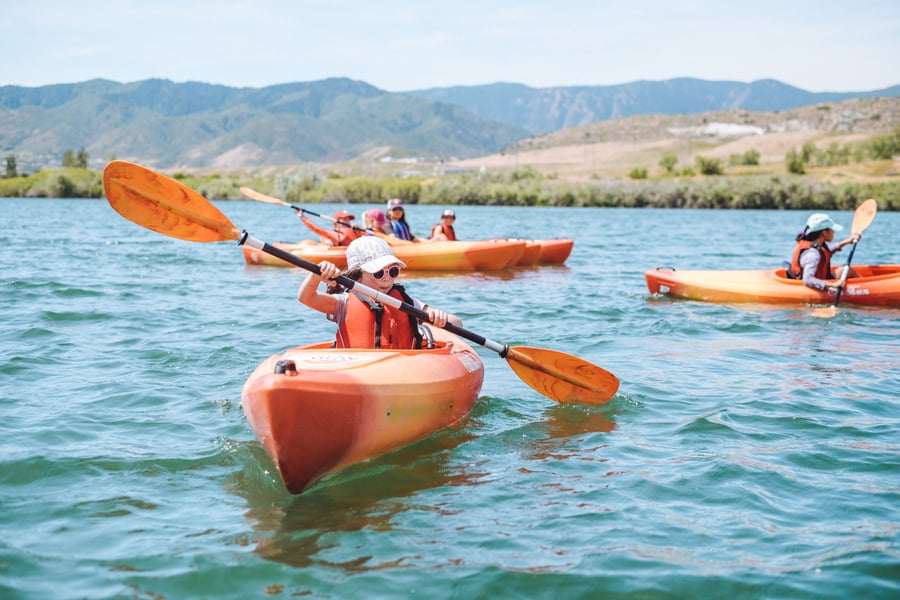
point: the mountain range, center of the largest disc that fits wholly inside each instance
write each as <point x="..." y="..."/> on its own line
<point x="171" y="125"/>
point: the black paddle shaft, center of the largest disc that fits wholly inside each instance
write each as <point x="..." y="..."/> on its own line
<point x="300" y="209"/>
<point x="350" y="284"/>
<point x="845" y="274"/>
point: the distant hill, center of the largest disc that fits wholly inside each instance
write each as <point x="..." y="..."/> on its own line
<point x="541" y="110"/>
<point x="182" y="125"/>
<point x="165" y="124"/>
<point x="614" y="147"/>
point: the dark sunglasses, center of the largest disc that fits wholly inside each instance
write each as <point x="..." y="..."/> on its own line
<point x="393" y="272"/>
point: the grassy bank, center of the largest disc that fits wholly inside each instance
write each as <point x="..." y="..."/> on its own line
<point x="520" y="187"/>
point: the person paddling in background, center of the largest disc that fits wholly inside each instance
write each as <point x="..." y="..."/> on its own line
<point x="375" y="220"/>
<point x="344" y="232"/>
<point x="811" y="261"/>
<point x="363" y="322"/>
<point x="397" y="216"/>
<point x="444" y="231"/>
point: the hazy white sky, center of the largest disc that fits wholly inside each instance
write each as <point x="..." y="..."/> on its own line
<point x="399" y="45"/>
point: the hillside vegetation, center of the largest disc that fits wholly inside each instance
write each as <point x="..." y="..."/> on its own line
<point x="827" y="156"/>
<point x="193" y="125"/>
<point x="613" y="149"/>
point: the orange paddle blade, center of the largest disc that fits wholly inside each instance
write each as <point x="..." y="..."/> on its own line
<point x="864" y="215"/>
<point x="164" y="205"/>
<point x="825" y="312"/>
<point x="260" y="197"/>
<point x="562" y="377"/>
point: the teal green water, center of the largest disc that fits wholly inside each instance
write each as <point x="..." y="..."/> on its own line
<point x="751" y="452"/>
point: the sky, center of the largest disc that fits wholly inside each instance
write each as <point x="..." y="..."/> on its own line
<point x="402" y="45"/>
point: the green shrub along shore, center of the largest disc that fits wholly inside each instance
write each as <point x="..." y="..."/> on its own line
<point x="521" y="187"/>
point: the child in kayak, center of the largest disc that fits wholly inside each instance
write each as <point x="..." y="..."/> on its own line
<point x="344" y="231"/>
<point x="363" y="322"/>
<point x="397" y="216"/>
<point x="375" y="220"/>
<point x="811" y="261"/>
<point x="444" y="231"/>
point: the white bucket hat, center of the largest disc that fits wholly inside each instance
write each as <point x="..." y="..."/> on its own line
<point x="820" y="222"/>
<point x="371" y="254"/>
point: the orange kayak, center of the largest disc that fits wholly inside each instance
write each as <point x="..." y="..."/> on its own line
<point x="555" y="252"/>
<point x="317" y="409"/>
<point x="531" y="254"/>
<point x="545" y="252"/>
<point x="480" y="255"/>
<point x="877" y="285"/>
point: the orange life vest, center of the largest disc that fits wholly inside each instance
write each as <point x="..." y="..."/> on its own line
<point x="342" y="237"/>
<point x="447" y="230"/>
<point x="345" y="235"/>
<point x="823" y="271"/>
<point x="370" y="324"/>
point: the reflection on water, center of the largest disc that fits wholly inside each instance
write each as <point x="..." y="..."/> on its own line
<point x="298" y="530"/>
<point x="563" y="424"/>
<point x="362" y="497"/>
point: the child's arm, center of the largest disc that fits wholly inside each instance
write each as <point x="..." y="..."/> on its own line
<point x="309" y="293"/>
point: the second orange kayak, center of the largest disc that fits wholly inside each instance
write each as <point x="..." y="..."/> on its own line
<point x="480" y="255"/>
<point x="556" y="251"/>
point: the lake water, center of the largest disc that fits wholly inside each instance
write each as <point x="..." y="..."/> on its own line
<point x="751" y="452"/>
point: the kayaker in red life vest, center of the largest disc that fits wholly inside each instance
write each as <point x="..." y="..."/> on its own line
<point x="362" y="322"/>
<point x="444" y="231"/>
<point x="344" y="232"/>
<point x="811" y="261"/>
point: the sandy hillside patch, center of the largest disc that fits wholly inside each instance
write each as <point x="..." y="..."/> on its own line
<point x="614" y="148"/>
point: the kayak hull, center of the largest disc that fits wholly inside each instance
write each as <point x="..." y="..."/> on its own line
<point x="479" y="255"/>
<point x="344" y="406"/>
<point x="556" y="251"/>
<point x="878" y="285"/>
<point x="531" y="254"/>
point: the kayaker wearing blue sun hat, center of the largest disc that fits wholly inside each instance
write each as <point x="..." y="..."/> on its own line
<point x="811" y="261"/>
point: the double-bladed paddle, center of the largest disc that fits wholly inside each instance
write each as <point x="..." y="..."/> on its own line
<point x="166" y="206"/>
<point x="862" y="218"/>
<point x="260" y="197"/>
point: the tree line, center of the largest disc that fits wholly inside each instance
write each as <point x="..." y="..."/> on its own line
<point x="77" y="159"/>
<point x="520" y="187"/>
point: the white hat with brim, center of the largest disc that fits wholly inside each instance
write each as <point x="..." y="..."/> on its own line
<point x="371" y="254"/>
<point x="821" y="222"/>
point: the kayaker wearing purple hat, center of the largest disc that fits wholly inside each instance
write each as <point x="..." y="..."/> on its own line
<point x="363" y="322"/>
<point x="375" y="220"/>
<point x="811" y="261"/>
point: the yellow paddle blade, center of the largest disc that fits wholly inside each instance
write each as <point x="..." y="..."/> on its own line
<point x="864" y="215"/>
<point x="260" y="197"/>
<point x="164" y="205"/>
<point x="562" y="377"/>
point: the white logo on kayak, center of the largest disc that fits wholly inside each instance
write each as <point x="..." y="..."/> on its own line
<point x="329" y="357"/>
<point x="857" y="291"/>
